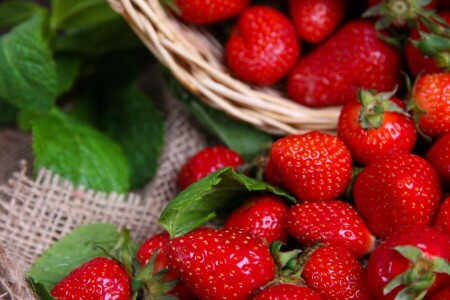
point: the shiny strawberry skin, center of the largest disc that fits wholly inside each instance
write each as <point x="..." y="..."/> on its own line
<point x="385" y="263"/>
<point x="263" y="215"/>
<point x="158" y="243"/>
<point x="203" y="12"/>
<point x="442" y="221"/>
<point x="205" y="162"/>
<point x="352" y="58"/>
<point x="438" y="155"/>
<point x="397" y="190"/>
<point x="286" y="291"/>
<point x="443" y="294"/>
<point x="226" y="263"/>
<point x="431" y="96"/>
<point x="397" y="134"/>
<point x="334" y="223"/>
<point x="315" y="20"/>
<point x="263" y="46"/>
<point x="99" y="278"/>
<point x="330" y="268"/>
<point x="314" y="166"/>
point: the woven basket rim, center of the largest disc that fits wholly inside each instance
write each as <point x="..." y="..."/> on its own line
<point x="195" y="58"/>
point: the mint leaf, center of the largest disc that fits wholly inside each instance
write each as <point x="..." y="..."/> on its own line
<point x="8" y="113"/>
<point x="98" y="39"/>
<point x="27" y="70"/>
<point x="40" y="290"/>
<point x="84" y="243"/>
<point x="239" y="136"/>
<point x="67" y="68"/>
<point x="132" y="119"/>
<point x="76" y="13"/>
<point x="13" y="12"/>
<point x="79" y="153"/>
<point x="202" y="200"/>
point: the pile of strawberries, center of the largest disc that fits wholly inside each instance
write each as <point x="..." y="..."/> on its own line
<point x="372" y="218"/>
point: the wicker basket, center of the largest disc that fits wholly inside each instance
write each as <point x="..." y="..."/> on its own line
<point x="196" y="58"/>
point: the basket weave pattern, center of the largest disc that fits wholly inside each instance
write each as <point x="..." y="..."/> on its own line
<point x="196" y="59"/>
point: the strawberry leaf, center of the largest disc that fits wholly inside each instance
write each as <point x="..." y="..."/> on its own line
<point x="204" y="199"/>
<point x="27" y="69"/>
<point x="13" y="12"/>
<point x="74" y="249"/>
<point x="79" y="153"/>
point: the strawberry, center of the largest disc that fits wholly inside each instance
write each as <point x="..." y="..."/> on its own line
<point x="430" y="103"/>
<point x="315" y="20"/>
<point x="314" y="166"/>
<point x="286" y="291"/>
<point x="438" y="155"/>
<point x="203" y="12"/>
<point x="413" y="262"/>
<point x="205" y="162"/>
<point x="334" y="223"/>
<point x="375" y="126"/>
<point x="226" y="263"/>
<point x="442" y="221"/>
<point x="334" y="273"/>
<point x="263" y="215"/>
<point x="397" y="190"/>
<point x="263" y="46"/>
<point x="417" y="61"/>
<point x="443" y="294"/>
<point x="98" y="278"/>
<point x="352" y="58"/>
<point x="271" y="175"/>
<point x="145" y="252"/>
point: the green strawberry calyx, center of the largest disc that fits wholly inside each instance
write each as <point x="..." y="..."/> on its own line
<point x="399" y="13"/>
<point x="374" y="105"/>
<point x="417" y="279"/>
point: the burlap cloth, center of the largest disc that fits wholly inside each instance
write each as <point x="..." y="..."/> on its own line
<point x="37" y="211"/>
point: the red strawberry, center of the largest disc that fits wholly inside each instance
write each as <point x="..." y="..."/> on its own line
<point x="334" y="273"/>
<point x="419" y="62"/>
<point x="271" y="174"/>
<point x="443" y="4"/>
<point x="412" y="261"/>
<point x="315" y="20"/>
<point x="99" y="278"/>
<point x="352" y="58"/>
<point x="263" y="46"/>
<point x="209" y="11"/>
<point x="264" y="216"/>
<point x="205" y="162"/>
<point x="334" y="223"/>
<point x="224" y="263"/>
<point x="314" y="166"/>
<point x="442" y="221"/>
<point x="397" y="190"/>
<point x="286" y="291"/>
<point x="431" y="103"/>
<point x="438" y="155"/>
<point x="443" y="294"/>
<point x="375" y="126"/>
<point x="145" y="252"/>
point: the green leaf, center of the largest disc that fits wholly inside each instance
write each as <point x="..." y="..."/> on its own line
<point x="132" y="119"/>
<point x="79" y="153"/>
<point x="13" y="12"/>
<point x="76" y="13"/>
<point x="40" y="290"/>
<point x="27" y="70"/>
<point x="8" y="113"/>
<point x="67" y="67"/>
<point x="239" y="136"/>
<point x="202" y="200"/>
<point x="98" y="39"/>
<point x="84" y="243"/>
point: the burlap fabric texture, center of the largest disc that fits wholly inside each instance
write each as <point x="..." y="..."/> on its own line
<point x="37" y="211"/>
